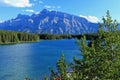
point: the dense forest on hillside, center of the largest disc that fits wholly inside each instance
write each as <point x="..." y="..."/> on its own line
<point x="7" y="37"/>
<point x="67" y="36"/>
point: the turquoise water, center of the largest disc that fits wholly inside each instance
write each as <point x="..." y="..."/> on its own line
<point x="34" y="59"/>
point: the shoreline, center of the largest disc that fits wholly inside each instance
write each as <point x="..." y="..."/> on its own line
<point x="12" y="43"/>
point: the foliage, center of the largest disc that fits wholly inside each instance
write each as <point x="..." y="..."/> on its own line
<point x="101" y="60"/>
<point x="45" y="78"/>
<point x="27" y="78"/>
<point x="15" y="37"/>
<point x="66" y="36"/>
<point x="62" y="73"/>
<point x="54" y="36"/>
<point x="101" y="55"/>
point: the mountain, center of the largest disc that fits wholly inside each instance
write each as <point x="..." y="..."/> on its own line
<point x="50" y="22"/>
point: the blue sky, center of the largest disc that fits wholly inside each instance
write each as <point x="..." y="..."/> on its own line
<point x="93" y="10"/>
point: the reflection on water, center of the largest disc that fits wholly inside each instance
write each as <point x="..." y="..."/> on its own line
<point x="33" y="59"/>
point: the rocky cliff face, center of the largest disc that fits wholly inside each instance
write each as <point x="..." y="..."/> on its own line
<point x="50" y="22"/>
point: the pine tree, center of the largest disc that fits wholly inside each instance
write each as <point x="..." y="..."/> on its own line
<point x="62" y="74"/>
<point x="61" y="67"/>
<point x="45" y="78"/>
<point x="101" y="60"/>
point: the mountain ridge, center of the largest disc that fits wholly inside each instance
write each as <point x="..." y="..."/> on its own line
<point x="50" y="22"/>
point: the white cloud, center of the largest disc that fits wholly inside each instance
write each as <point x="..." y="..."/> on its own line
<point x="30" y="10"/>
<point x="92" y="19"/>
<point x="47" y="6"/>
<point x="1" y="21"/>
<point x="40" y="2"/>
<point x="52" y="7"/>
<point x="16" y="3"/>
<point x="37" y="12"/>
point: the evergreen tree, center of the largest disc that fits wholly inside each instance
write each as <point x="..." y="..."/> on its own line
<point x="101" y="60"/>
<point x="15" y="37"/>
<point x="62" y="74"/>
<point x="62" y="67"/>
<point x="45" y="78"/>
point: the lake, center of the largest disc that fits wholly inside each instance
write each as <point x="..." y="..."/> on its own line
<point x="34" y="59"/>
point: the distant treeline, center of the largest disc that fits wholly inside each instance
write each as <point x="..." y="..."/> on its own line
<point x="7" y="37"/>
<point x="65" y="36"/>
